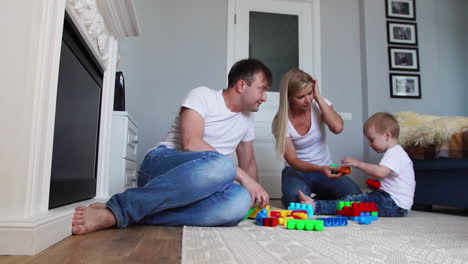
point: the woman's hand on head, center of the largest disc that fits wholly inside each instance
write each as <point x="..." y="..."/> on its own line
<point x="315" y="89"/>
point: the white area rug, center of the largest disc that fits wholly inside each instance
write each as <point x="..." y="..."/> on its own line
<point x="421" y="237"/>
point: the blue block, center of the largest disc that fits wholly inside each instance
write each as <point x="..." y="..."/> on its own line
<point x="364" y="220"/>
<point x="305" y="207"/>
<point x="259" y="218"/>
<point x="334" y="221"/>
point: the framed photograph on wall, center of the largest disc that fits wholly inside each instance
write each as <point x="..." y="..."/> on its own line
<point x="403" y="59"/>
<point x="402" y="33"/>
<point x="401" y="9"/>
<point x="405" y="85"/>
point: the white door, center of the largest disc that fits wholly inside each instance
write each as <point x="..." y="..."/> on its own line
<point x="283" y="34"/>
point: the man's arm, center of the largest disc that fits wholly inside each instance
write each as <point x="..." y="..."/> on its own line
<point x="192" y="131"/>
<point x="246" y="159"/>
<point x="247" y="174"/>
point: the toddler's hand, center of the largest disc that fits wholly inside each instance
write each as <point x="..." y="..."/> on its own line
<point x="348" y="161"/>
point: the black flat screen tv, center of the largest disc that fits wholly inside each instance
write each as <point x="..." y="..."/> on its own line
<point x="119" y="93"/>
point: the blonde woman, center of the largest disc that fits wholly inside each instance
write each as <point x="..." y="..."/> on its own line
<point x="299" y="128"/>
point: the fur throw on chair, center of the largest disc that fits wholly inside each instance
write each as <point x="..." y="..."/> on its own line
<point x="425" y="130"/>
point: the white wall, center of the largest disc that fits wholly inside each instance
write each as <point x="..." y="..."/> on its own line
<point x="442" y="42"/>
<point x="341" y="73"/>
<point x="183" y="45"/>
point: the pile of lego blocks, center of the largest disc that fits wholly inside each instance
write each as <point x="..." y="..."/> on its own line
<point x="298" y="216"/>
<point x="363" y="213"/>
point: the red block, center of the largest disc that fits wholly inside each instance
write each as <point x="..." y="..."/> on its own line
<point x="270" y="221"/>
<point x="357" y="208"/>
<point x="373" y="184"/>
<point x="275" y="214"/>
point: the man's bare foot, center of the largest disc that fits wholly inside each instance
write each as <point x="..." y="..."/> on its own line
<point x="98" y="205"/>
<point x="305" y="199"/>
<point x="88" y="219"/>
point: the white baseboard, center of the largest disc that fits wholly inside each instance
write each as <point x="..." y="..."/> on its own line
<point x="31" y="236"/>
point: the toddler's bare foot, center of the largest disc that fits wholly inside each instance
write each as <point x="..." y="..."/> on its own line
<point x="305" y="199"/>
<point x="98" y="205"/>
<point x="88" y="219"/>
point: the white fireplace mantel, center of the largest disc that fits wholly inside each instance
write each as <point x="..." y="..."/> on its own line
<point x="29" y="69"/>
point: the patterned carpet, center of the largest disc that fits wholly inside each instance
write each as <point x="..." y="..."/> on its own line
<point x="421" y="237"/>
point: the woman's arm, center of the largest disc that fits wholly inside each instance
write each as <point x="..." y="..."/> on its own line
<point x="329" y="115"/>
<point x="290" y="155"/>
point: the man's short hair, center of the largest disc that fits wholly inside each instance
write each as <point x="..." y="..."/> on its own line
<point x="246" y="69"/>
<point x="382" y="121"/>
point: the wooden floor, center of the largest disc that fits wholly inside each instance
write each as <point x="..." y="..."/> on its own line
<point x="136" y="244"/>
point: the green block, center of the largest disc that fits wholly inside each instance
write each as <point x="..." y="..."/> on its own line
<point x="319" y="225"/>
<point x="250" y="212"/>
<point x="340" y="206"/>
<point x="374" y="213"/>
<point x="301" y="224"/>
<point x="291" y="224"/>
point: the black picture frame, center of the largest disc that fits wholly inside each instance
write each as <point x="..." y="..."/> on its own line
<point x="402" y="33"/>
<point x="400" y="9"/>
<point x="403" y="58"/>
<point x="403" y="85"/>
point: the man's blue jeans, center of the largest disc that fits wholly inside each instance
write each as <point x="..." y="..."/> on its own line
<point x="386" y="205"/>
<point x="183" y="188"/>
<point x="318" y="183"/>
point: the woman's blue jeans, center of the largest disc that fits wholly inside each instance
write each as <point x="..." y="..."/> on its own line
<point x="386" y="205"/>
<point x="183" y="188"/>
<point x="318" y="183"/>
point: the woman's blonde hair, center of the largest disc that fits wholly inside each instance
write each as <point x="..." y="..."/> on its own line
<point x="293" y="81"/>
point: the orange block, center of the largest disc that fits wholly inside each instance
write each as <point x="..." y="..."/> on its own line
<point x="345" y="170"/>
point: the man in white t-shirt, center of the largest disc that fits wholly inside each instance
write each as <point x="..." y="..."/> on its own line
<point x="188" y="179"/>
<point x="395" y="171"/>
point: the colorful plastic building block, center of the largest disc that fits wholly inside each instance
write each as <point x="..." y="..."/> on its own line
<point x="284" y="220"/>
<point x="364" y="220"/>
<point x="373" y="184"/>
<point x="283" y="213"/>
<point x="301" y="224"/>
<point x="275" y="214"/>
<point x="260" y="216"/>
<point x="257" y="210"/>
<point x="355" y="208"/>
<point x="298" y="206"/>
<point x="342" y="169"/>
<point x="335" y="221"/>
<point x="250" y="213"/>
<point x="270" y="221"/>
<point x="299" y="214"/>
<point x="334" y="166"/>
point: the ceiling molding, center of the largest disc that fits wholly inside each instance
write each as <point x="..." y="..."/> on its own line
<point x="119" y="17"/>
